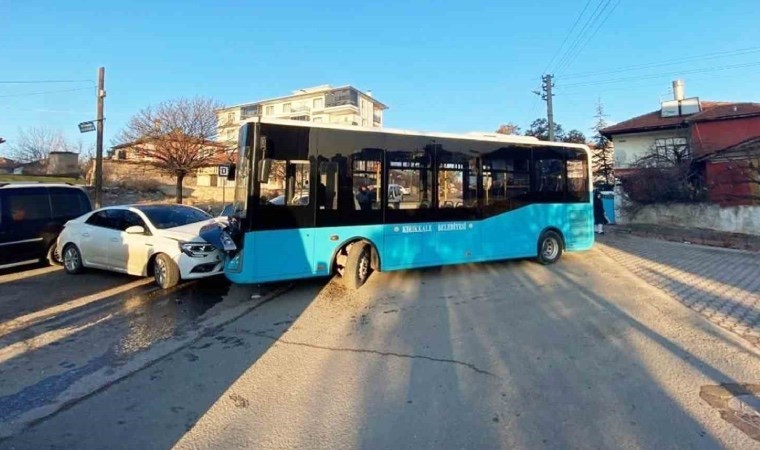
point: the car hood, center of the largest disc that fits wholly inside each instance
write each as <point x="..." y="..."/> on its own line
<point x="187" y="233"/>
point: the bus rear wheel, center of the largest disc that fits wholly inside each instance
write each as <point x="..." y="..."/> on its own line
<point x="549" y="247"/>
<point x="358" y="265"/>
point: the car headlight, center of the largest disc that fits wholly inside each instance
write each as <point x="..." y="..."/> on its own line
<point x="196" y="249"/>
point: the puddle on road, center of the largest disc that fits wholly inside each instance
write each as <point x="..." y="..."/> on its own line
<point x="738" y="404"/>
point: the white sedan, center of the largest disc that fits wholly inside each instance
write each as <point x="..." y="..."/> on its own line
<point x="143" y="240"/>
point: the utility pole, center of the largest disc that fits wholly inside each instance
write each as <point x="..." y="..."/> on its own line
<point x="99" y="142"/>
<point x="546" y="86"/>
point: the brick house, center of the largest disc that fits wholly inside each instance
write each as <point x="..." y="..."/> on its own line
<point x="720" y="139"/>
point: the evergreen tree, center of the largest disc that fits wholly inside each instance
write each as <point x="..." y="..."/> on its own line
<point x="603" y="152"/>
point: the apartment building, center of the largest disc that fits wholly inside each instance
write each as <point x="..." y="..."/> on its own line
<point x="344" y="105"/>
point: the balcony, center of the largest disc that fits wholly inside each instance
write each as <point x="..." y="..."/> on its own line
<point x="247" y="112"/>
<point x="300" y="109"/>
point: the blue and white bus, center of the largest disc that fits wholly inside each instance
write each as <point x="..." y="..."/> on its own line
<point x="315" y="199"/>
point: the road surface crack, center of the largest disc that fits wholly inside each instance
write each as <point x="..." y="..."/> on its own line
<point x="376" y="352"/>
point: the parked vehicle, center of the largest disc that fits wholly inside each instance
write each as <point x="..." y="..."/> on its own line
<point x="402" y="189"/>
<point x="162" y="241"/>
<point x="32" y="216"/>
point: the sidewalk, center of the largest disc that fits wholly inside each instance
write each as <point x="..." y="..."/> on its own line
<point x="721" y="285"/>
<point x="701" y="236"/>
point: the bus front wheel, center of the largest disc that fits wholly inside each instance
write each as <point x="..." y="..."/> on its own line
<point x="549" y="247"/>
<point x="358" y="265"/>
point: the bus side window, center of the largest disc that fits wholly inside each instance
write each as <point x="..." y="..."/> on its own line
<point x="366" y="176"/>
<point x="410" y="179"/>
<point x="328" y="186"/>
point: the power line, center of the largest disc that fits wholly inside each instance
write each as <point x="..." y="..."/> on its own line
<point x="665" y="63"/>
<point x="43" y="81"/>
<point x="662" y="74"/>
<point x="569" y="33"/>
<point x="603" y="4"/>
<point x="591" y="35"/>
<point x="46" y="92"/>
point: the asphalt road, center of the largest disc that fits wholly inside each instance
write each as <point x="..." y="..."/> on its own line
<point x="581" y="354"/>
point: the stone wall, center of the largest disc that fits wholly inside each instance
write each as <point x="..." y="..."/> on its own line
<point x="732" y="219"/>
<point x="134" y="174"/>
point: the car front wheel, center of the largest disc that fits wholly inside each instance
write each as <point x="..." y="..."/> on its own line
<point x="72" y="259"/>
<point x="165" y="271"/>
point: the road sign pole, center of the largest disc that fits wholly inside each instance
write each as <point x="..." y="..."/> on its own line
<point x="99" y="141"/>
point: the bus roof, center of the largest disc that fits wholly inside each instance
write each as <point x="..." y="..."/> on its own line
<point x="476" y="136"/>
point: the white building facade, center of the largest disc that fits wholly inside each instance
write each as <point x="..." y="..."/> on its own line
<point x="344" y="105"/>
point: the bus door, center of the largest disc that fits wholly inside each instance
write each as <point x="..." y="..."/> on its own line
<point x="458" y="230"/>
<point x="283" y="221"/>
<point x="508" y="221"/>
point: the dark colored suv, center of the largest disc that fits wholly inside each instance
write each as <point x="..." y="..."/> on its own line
<point x="32" y="216"/>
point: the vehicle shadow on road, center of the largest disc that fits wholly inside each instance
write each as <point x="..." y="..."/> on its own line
<point x="506" y="355"/>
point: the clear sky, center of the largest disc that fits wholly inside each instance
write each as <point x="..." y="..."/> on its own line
<point x="439" y="65"/>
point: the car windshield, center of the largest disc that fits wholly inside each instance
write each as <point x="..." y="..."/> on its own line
<point x="170" y="216"/>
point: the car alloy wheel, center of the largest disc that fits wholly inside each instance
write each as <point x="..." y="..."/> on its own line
<point x="159" y="270"/>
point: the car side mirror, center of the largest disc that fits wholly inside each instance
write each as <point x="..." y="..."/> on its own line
<point x="135" y="229"/>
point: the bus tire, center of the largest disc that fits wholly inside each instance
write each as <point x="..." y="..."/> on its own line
<point x="358" y="265"/>
<point x="549" y="247"/>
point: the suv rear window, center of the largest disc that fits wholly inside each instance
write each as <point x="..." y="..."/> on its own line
<point x="27" y="204"/>
<point x="68" y="203"/>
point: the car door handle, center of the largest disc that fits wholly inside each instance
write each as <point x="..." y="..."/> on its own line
<point x="114" y="239"/>
<point x="85" y="234"/>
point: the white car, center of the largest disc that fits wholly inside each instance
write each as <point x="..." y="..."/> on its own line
<point x="404" y="191"/>
<point x="143" y="240"/>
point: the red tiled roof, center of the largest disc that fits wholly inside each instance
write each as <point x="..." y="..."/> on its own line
<point x="710" y="111"/>
<point x="726" y="111"/>
<point x="6" y="163"/>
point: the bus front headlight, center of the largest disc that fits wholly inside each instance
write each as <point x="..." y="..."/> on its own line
<point x="235" y="264"/>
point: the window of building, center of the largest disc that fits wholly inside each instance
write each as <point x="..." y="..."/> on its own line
<point x="671" y="150"/>
<point x="230" y="117"/>
<point x="230" y="135"/>
<point x="250" y="111"/>
<point x="319" y="103"/>
<point x="270" y="111"/>
<point x="339" y="97"/>
<point x="286" y="107"/>
<point x="305" y="118"/>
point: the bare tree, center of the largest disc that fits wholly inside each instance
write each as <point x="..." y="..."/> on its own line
<point x="34" y="144"/>
<point x="176" y="136"/>
<point x="508" y="128"/>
